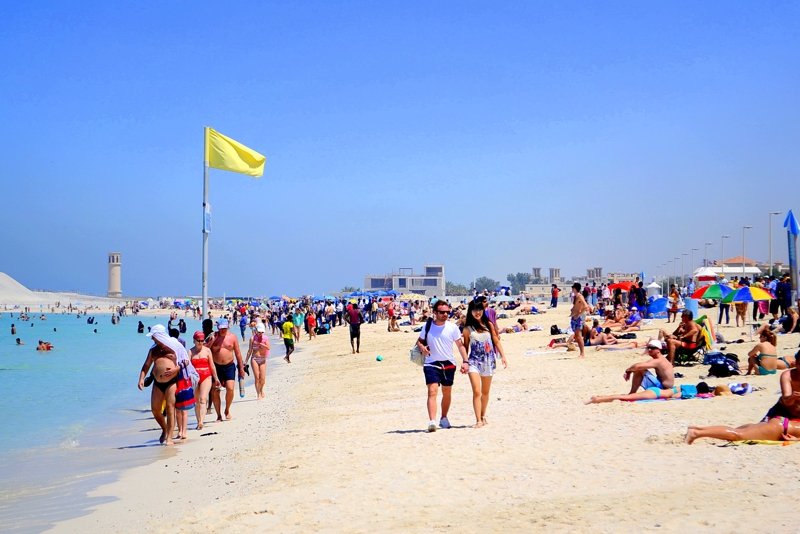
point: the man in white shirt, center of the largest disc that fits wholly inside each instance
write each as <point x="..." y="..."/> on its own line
<point x="436" y="343"/>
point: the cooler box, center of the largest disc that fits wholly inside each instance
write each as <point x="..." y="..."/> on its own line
<point x="691" y="305"/>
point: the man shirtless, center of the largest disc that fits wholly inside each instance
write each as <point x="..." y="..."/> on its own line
<point x="685" y="336"/>
<point x="640" y="373"/>
<point x="224" y="346"/>
<point x="578" y="315"/>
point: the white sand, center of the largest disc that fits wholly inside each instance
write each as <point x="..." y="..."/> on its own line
<point x="338" y="446"/>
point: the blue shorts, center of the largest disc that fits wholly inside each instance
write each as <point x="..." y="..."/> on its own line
<point x="576" y="323"/>
<point x="439" y="373"/>
<point x="226" y="372"/>
<point x="649" y="380"/>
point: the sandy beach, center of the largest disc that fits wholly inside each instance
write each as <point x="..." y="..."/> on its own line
<point x="339" y="445"/>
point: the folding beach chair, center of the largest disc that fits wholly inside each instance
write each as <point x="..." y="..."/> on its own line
<point x="692" y="356"/>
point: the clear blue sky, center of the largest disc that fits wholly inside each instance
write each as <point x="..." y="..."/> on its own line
<point x="491" y="137"/>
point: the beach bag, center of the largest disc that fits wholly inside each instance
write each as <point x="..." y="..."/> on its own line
<point x="627" y="335"/>
<point x="554" y="330"/>
<point x="415" y="355"/>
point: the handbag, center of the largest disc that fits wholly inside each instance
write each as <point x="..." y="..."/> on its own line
<point x="415" y="355"/>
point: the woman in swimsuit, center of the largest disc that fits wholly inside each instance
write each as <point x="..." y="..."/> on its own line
<point x="259" y="351"/>
<point x="685" y="391"/>
<point x="788" y="404"/>
<point x="674" y="299"/>
<point x="204" y="363"/>
<point x="764" y="356"/>
<point x="775" y="429"/>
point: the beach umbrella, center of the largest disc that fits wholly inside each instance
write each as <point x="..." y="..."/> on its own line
<point x="625" y="286"/>
<point x="274" y="297"/>
<point x="502" y="298"/>
<point x="714" y="291"/>
<point x="747" y="294"/>
<point x="392" y="293"/>
<point x="410" y="297"/>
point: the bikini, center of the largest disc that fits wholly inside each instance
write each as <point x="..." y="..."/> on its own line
<point x="202" y="367"/>
<point x="257" y="345"/>
<point x="761" y="369"/>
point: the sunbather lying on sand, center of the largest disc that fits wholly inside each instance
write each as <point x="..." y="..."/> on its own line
<point x="776" y="429"/>
<point x="685" y="391"/>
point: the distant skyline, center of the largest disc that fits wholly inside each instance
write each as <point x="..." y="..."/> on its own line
<point x="491" y="138"/>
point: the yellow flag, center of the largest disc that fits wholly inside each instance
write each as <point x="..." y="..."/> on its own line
<point x="224" y="153"/>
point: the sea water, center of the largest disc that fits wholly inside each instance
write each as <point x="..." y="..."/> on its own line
<point x="74" y="416"/>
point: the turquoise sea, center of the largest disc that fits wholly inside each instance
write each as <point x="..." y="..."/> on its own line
<point x="73" y="417"/>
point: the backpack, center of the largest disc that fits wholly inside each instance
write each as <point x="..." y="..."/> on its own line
<point x="554" y="330"/>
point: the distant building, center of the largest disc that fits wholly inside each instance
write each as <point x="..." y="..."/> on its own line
<point x="621" y="277"/>
<point x="536" y="275"/>
<point x="114" y="274"/>
<point x="555" y="275"/>
<point x="595" y="274"/>
<point x="430" y="283"/>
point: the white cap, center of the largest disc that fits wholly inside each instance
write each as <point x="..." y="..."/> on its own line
<point x="655" y="344"/>
<point x="260" y="328"/>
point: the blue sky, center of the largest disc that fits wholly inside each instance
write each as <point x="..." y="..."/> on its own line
<point x="491" y="137"/>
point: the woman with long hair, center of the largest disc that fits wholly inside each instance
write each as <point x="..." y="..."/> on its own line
<point x="483" y="343"/>
<point x="763" y="358"/>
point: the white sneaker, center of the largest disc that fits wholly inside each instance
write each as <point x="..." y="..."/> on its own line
<point x="432" y="426"/>
<point x="444" y="422"/>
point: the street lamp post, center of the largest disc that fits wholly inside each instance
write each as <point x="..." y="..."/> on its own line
<point x="722" y="253"/>
<point x="770" y="239"/>
<point x="675" y="270"/>
<point x="691" y="266"/>
<point x="743" y="229"/>
<point x="683" y="269"/>
<point x="705" y="254"/>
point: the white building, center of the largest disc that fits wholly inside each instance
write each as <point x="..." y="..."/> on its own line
<point x="430" y="283"/>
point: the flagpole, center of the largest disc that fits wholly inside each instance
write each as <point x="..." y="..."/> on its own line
<point x="205" y="226"/>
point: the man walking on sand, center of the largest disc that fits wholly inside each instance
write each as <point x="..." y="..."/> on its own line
<point x="354" y="318"/>
<point x="224" y="347"/>
<point x="578" y="315"/>
<point x="436" y="343"/>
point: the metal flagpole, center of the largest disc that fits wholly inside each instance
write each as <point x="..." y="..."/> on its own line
<point x="206" y="225"/>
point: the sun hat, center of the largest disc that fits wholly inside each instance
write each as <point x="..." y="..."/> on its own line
<point x="199" y="336"/>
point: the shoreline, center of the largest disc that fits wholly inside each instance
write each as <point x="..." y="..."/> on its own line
<point x="215" y="440"/>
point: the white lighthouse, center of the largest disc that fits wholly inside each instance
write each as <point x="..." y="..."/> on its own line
<point x="114" y="274"/>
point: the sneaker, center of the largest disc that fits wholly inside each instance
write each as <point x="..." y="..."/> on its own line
<point x="432" y="426"/>
<point x="444" y="422"/>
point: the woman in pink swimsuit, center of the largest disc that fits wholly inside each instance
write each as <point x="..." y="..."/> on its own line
<point x="204" y="364"/>
<point x="259" y="351"/>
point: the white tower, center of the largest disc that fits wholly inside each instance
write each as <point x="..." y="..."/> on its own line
<point x="114" y="274"/>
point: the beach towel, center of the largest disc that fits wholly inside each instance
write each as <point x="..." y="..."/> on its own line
<point x="537" y="352"/>
<point x="699" y="396"/>
<point x="181" y="356"/>
<point x="758" y="442"/>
